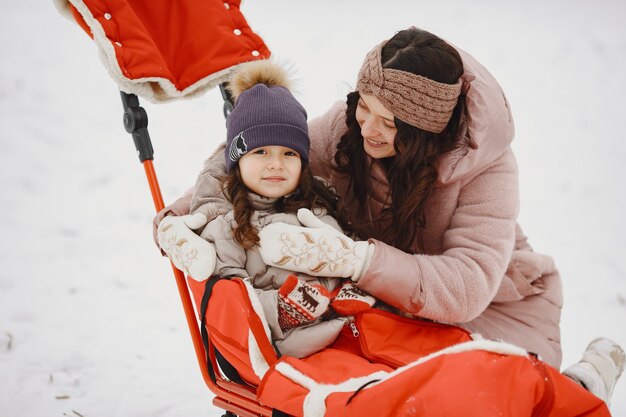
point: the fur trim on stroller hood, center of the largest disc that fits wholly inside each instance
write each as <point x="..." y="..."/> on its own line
<point x="146" y="65"/>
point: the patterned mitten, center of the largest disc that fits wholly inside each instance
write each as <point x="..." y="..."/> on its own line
<point x="351" y="300"/>
<point x="300" y="303"/>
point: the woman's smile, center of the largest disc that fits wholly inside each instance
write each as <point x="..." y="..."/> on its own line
<point x="375" y="143"/>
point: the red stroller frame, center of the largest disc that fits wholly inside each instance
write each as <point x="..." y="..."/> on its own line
<point x="236" y="399"/>
<point x="147" y="52"/>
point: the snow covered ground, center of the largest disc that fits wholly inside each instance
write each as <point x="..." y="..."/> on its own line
<point x="90" y="320"/>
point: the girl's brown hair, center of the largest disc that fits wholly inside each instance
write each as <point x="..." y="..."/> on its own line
<point x="311" y="193"/>
<point x="412" y="172"/>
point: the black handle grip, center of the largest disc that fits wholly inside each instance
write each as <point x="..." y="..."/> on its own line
<point x="136" y="123"/>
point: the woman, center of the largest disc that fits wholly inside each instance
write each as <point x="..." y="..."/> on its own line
<point x="421" y="154"/>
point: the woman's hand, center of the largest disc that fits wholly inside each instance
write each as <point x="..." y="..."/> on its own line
<point x="187" y="251"/>
<point x="317" y="249"/>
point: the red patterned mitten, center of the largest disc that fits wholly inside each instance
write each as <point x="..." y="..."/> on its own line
<point x="351" y="300"/>
<point x="300" y="303"/>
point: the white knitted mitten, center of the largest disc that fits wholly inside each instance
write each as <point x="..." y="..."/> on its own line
<point x="316" y="249"/>
<point x="187" y="251"/>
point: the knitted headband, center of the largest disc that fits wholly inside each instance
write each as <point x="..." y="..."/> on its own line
<point x="416" y="100"/>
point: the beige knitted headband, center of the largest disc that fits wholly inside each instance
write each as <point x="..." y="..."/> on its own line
<point x="416" y="100"/>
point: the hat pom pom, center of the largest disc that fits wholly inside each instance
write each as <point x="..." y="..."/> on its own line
<point x="257" y="72"/>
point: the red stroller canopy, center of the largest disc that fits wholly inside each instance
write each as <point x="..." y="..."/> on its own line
<point x="163" y="49"/>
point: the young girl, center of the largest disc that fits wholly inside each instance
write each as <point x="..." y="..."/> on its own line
<point x="269" y="180"/>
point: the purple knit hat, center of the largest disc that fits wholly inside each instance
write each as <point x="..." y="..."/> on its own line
<point x="266" y="116"/>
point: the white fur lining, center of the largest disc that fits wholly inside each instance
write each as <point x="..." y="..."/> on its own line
<point x="314" y="404"/>
<point x="259" y="364"/>
<point x="154" y="89"/>
<point x="64" y="8"/>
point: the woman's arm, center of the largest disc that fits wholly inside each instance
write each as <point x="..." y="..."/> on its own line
<point x="459" y="284"/>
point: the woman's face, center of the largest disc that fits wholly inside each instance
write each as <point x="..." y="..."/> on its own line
<point x="377" y="127"/>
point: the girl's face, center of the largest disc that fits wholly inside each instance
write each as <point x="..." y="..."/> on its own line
<point x="271" y="171"/>
<point x="377" y="127"/>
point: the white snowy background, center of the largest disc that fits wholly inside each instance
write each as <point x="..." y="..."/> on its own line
<point x="90" y="319"/>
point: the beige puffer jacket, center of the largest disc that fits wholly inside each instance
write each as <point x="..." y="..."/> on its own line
<point x="234" y="261"/>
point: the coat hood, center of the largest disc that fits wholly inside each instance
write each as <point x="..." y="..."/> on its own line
<point x="487" y="125"/>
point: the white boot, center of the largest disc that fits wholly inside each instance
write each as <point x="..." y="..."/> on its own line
<point x="600" y="368"/>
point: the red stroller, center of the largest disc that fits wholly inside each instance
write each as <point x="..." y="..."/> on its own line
<point x="142" y="58"/>
<point x="164" y="50"/>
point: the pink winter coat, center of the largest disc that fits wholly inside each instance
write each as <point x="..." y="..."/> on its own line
<point x="476" y="269"/>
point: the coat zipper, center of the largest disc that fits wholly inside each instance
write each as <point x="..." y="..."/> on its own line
<point x="355" y="331"/>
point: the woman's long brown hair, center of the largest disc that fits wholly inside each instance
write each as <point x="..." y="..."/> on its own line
<point x="311" y="193"/>
<point x="412" y="172"/>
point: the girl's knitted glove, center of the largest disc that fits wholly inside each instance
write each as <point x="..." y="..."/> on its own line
<point x="351" y="300"/>
<point x="300" y="303"/>
<point x="316" y="249"/>
<point x="187" y="251"/>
